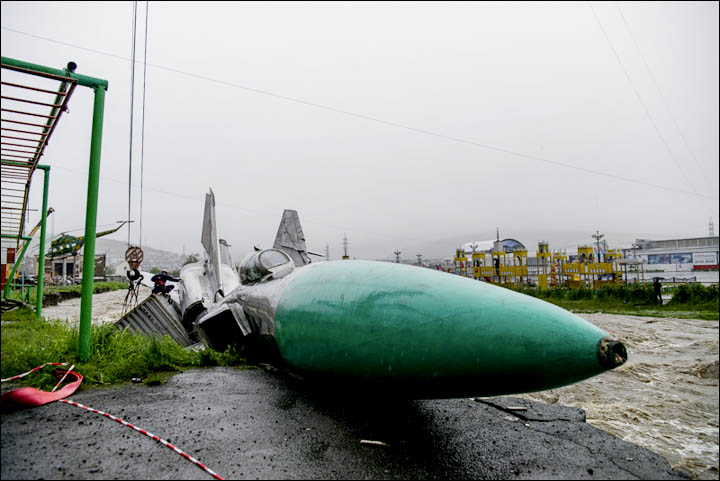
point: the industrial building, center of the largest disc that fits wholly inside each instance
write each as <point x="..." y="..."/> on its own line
<point x="676" y="255"/>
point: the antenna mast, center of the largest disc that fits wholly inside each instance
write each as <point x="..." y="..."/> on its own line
<point x="345" y="247"/>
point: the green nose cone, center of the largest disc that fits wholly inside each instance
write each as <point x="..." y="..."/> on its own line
<point x="433" y="335"/>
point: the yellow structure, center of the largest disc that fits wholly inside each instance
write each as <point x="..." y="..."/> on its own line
<point x="586" y="271"/>
<point x="461" y="262"/>
<point x="507" y="268"/>
<point x="544" y="262"/>
<point x="553" y="268"/>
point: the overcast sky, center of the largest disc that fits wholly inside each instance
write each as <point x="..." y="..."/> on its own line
<point x="400" y="124"/>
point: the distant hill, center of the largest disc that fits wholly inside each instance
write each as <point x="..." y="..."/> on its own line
<point x="115" y="252"/>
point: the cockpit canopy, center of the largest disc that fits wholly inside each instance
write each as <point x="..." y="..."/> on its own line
<point x="264" y="265"/>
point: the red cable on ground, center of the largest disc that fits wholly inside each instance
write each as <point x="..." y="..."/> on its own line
<point x="29" y="397"/>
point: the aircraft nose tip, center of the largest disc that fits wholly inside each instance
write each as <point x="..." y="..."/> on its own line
<point x="611" y="353"/>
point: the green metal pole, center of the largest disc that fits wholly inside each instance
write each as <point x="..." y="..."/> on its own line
<point x="41" y="258"/>
<point x="91" y="226"/>
<point x="18" y="261"/>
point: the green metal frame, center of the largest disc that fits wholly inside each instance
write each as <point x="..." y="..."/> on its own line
<point x="41" y="257"/>
<point x="18" y="261"/>
<point x="99" y="87"/>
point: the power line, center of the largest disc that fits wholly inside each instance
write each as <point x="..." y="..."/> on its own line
<point x="132" y="104"/>
<point x="637" y="94"/>
<point x="395" y="124"/>
<point x="662" y="97"/>
<point x="200" y="199"/>
<point x="142" y="135"/>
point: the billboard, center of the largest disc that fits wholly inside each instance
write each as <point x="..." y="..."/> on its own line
<point x="705" y="258"/>
<point x="685" y="258"/>
<point x="659" y="259"/>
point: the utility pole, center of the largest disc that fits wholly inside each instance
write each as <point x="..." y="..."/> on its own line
<point x="345" y="247"/>
<point x="711" y="228"/>
<point x="419" y="256"/>
<point x="397" y="256"/>
<point x="597" y="236"/>
<point x="327" y="251"/>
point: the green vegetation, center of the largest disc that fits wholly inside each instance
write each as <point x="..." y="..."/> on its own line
<point x="689" y="301"/>
<point x="52" y="294"/>
<point x="116" y="356"/>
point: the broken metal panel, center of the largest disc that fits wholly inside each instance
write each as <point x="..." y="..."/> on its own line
<point x="224" y="326"/>
<point x="156" y="316"/>
<point x="291" y="239"/>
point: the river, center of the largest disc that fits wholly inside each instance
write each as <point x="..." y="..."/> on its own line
<point x="664" y="398"/>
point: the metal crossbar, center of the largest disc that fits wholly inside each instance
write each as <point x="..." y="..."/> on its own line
<point x="22" y="98"/>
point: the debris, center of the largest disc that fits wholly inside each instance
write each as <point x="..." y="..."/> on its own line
<point x="136" y="380"/>
<point x="516" y="408"/>
<point x="374" y="443"/>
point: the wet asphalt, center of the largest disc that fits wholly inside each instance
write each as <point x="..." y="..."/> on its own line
<point x="264" y="424"/>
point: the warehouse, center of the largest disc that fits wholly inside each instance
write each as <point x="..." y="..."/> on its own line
<point x="676" y="255"/>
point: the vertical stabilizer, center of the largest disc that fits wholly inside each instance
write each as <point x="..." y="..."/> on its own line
<point x="210" y="242"/>
<point x="290" y="238"/>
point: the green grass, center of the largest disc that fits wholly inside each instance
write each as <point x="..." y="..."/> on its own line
<point x="116" y="356"/>
<point x="689" y="301"/>
<point x="66" y="292"/>
<point x="667" y="310"/>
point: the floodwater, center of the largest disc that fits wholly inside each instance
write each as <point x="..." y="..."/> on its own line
<point x="664" y="398"/>
<point x="106" y="307"/>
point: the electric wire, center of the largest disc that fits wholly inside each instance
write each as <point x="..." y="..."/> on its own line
<point x="132" y="103"/>
<point x="394" y="124"/>
<point x="637" y="94"/>
<point x="142" y="132"/>
<point x="662" y="97"/>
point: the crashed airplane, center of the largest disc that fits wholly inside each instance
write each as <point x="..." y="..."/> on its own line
<point x="398" y="328"/>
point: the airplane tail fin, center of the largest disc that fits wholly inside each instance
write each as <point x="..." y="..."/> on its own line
<point x="211" y="243"/>
<point x="290" y="238"/>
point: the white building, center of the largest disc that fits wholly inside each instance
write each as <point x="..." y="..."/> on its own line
<point x="676" y="255"/>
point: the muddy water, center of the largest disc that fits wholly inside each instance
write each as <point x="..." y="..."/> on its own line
<point x="665" y="398"/>
<point x="106" y="307"/>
